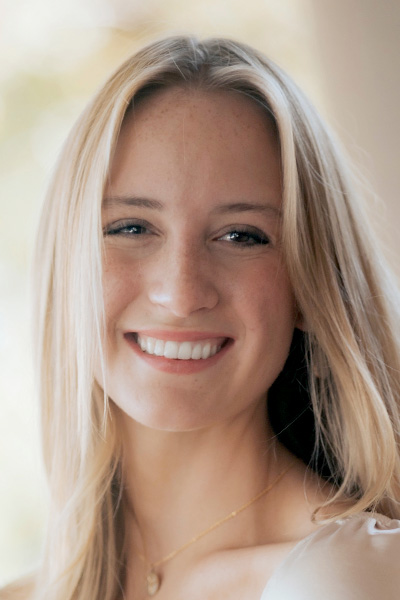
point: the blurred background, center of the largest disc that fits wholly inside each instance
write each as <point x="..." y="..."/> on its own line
<point x="54" y="55"/>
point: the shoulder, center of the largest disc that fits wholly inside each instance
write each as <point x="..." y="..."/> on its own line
<point x="18" y="590"/>
<point x="355" y="558"/>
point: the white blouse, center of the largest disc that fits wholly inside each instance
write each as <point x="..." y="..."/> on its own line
<point x="357" y="558"/>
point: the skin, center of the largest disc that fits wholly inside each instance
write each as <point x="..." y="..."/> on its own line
<point x="198" y="445"/>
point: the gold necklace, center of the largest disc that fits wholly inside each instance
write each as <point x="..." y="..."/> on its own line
<point x="153" y="579"/>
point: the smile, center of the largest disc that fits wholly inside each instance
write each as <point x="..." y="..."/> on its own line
<point x="186" y="350"/>
<point x="179" y="353"/>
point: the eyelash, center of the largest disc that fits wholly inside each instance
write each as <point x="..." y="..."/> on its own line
<point x="125" y="229"/>
<point x="254" y="237"/>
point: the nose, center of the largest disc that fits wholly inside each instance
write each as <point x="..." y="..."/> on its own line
<point x="184" y="281"/>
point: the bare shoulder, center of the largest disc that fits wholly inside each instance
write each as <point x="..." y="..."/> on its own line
<point x="22" y="589"/>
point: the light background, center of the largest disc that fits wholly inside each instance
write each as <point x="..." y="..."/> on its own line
<point x="55" y="54"/>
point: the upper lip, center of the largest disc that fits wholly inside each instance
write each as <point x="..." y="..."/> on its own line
<point x="179" y="336"/>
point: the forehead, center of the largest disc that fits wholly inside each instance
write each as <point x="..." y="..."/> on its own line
<point x="197" y="141"/>
<point x="230" y="111"/>
<point x="166" y="100"/>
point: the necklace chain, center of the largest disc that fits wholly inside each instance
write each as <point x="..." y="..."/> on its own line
<point x="153" y="579"/>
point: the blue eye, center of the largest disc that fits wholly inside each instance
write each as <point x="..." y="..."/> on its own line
<point x="126" y="229"/>
<point x="246" y="237"/>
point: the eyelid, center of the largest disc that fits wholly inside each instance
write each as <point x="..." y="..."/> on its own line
<point x="245" y="229"/>
<point x="113" y="227"/>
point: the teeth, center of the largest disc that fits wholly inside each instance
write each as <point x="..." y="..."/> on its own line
<point x="206" y="351"/>
<point x="158" y="348"/>
<point x="170" y="350"/>
<point x="197" y="352"/>
<point x="178" y="350"/>
<point x="185" y="351"/>
<point x="149" y="345"/>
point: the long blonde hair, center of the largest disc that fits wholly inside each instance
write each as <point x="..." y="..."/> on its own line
<point x="340" y="283"/>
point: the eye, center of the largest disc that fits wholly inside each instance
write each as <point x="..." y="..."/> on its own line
<point x="127" y="229"/>
<point x="246" y="237"/>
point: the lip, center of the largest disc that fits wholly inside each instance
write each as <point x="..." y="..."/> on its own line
<point x="172" y="365"/>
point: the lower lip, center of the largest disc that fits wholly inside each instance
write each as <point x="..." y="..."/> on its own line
<point x="174" y="365"/>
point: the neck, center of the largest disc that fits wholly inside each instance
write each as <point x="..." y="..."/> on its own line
<point x="177" y="484"/>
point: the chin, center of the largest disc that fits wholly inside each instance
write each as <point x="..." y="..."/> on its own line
<point x="171" y="416"/>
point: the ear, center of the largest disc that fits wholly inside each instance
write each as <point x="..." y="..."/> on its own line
<point x="300" y="322"/>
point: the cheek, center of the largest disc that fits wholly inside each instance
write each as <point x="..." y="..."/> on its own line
<point x="265" y="297"/>
<point x="121" y="285"/>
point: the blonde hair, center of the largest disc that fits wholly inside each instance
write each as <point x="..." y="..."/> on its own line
<point x="340" y="283"/>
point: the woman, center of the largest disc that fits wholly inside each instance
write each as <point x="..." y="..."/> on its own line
<point x="218" y="346"/>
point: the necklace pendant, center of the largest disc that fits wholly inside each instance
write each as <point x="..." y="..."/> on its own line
<point x="153" y="583"/>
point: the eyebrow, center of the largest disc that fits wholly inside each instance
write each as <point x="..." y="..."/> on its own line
<point x="247" y="207"/>
<point x="132" y="201"/>
<point x="235" y="207"/>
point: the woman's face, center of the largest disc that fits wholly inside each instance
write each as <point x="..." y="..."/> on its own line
<point x="199" y="309"/>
